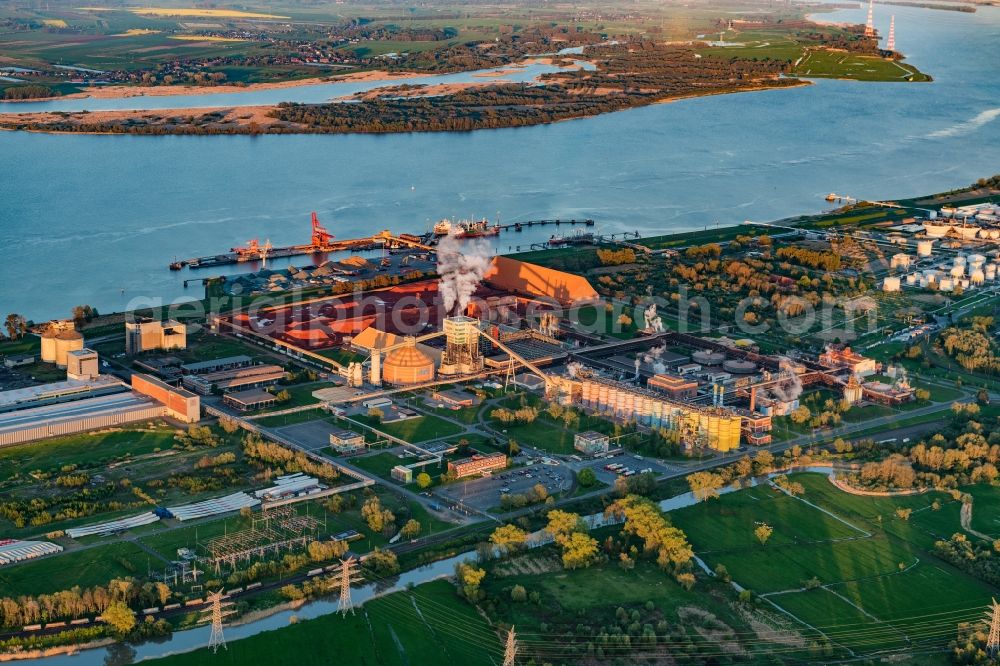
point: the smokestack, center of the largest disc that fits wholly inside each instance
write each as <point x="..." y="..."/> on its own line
<point x="461" y="267"/>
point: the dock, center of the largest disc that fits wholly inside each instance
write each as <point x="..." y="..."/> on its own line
<point x="323" y="242"/>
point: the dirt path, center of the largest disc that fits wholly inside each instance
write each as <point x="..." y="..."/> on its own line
<point x="966" y="518"/>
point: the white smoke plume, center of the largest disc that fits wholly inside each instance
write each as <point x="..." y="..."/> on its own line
<point x="462" y="263"/>
<point x="573" y="369"/>
<point x="790" y="386"/>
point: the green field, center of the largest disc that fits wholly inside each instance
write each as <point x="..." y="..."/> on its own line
<point x="414" y="430"/>
<point x="425" y="625"/>
<point x="85" y="568"/>
<point x="86" y="450"/>
<point x="844" y="65"/>
<point x="878" y="575"/>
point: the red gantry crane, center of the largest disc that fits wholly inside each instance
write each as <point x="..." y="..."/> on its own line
<point x="320" y="236"/>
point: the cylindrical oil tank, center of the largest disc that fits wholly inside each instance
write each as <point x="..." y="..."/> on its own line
<point x="925" y="247"/>
<point x="946" y="284"/>
<point x="890" y="284"/>
<point x="912" y="278"/>
<point x="706" y="357"/>
<point x="978" y="276"/>
<point x="739" y="367"/>
<point x="957" y="271"/>
<point x="991" y="271"/>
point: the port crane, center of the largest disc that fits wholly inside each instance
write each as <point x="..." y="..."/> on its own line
<point x="320" y="236"/>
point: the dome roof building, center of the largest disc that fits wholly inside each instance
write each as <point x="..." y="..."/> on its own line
<point x="407" y="365"/>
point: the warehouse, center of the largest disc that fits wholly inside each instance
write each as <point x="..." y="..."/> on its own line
<point x="66" y="418"/>
<point x="235" y="379"/>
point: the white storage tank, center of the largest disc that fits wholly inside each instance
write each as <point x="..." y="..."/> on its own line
<point x="957" y="271"/>
<point x="976" y="261"/>
<point x="959" y="260"/>
<point x="991" y="272"/>
<point x="946" y="284"/>
<point x="890" y="284"/>
<point x="925" y="247"/>
<point x="912" y="279"/>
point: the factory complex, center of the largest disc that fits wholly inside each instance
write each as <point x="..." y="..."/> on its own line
<point x="86" y="399"/>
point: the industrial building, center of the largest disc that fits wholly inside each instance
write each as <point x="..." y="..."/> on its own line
<point x="674" y="387"/>
<point x="714" y="427"/>
<point x="347" y="441"/>
<point x="405" y="366"/>
<point x="477" y="464"/>
<point x="251" y="400"/>
<point x="58" y="339"/>
<point x="462" y="355"/>
<point x="148" y="334"/>
<point x="234" y="379"/>
<point x="836" y="357"/>
<point x="82" y="364"/>
<point x="591" y="443"/>
<point x="532" y="280"/>
<point x="78" y="415"/>
<point x="178" y="403"/>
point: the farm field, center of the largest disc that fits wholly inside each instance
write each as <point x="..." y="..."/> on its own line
<point x="863" y="577"/>
<point x="84" y="568"/>
<point x="427" y="624"/>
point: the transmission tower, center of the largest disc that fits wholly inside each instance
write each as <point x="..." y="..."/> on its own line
<point x="870" y="25"/>
<point x="348" y="575"/>
<point x="510" y="651"/>
<point x="993" y="642"/>
<point x="216" y="611"/>
<point x="890" y="45"/>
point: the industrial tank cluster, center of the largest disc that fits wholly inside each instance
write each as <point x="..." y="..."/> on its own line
<point x="59" y="339"/>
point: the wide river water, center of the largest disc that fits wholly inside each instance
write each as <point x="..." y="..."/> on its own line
<point x="96" y="219"/>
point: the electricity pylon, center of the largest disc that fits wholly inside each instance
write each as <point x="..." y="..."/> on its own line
<point x="215" y="612"/>
<point x="347" y="576"/>
<point x="870" y="23"/>
<point x="993" y="642"/>
<point x="510" y="651"/>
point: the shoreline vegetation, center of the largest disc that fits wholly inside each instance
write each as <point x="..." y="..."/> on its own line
<point x="628" y="75"/>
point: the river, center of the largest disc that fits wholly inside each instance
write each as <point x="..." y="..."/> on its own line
<point x="96" y="219"/>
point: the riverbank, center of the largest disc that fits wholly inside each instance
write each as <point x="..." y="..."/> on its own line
<point x="128" y="92"/>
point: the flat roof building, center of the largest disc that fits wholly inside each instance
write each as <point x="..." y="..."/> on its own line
<point x="402" y="473"/>
<point x="248" y="401"/>
<point x="181" y="404"/>
<point x="673" y="386"/>
<point x="347" y="441"/>
<point x="477" y="464"/>
<point x="235" y="379"/>
<point x="591" y="443"/>
<point x="147" y="334"/>
<point x="82" y="364"/>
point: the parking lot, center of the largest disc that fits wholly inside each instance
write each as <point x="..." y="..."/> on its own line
<point x="637" y="464"/>
<point x="484" y="493"/>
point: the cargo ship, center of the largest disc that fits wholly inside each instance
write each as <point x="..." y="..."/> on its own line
<point x="578" y="238"/>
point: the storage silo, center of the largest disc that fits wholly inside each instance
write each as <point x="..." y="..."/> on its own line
<point x="65" y="342"/>
<point x="890" y="284"/>
<point x="946" y="284"/>
<point x="977" y="277"/>
<point x="925" y="248"/>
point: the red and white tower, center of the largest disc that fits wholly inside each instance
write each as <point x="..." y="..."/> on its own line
<point x="870" y="25"/>
<point x="891" y="43"/>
